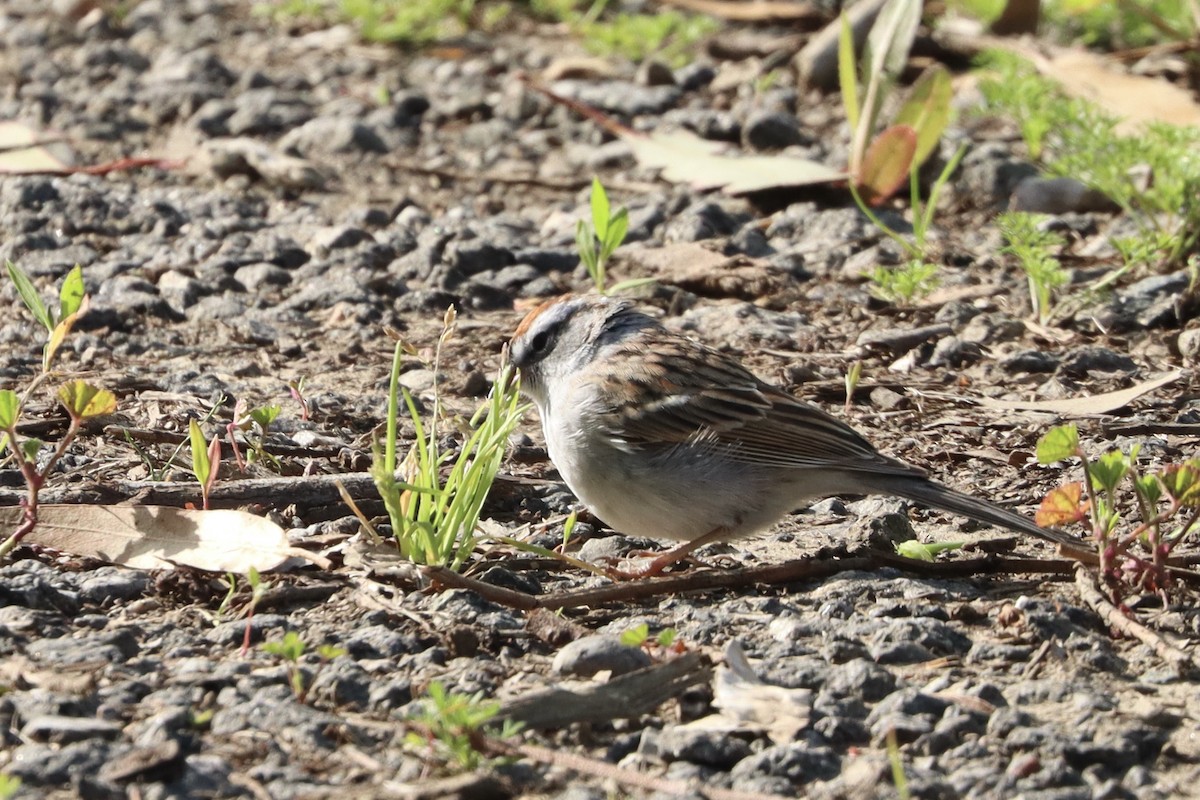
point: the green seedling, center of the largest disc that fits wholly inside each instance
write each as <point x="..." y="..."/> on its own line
<point x="1136" y="519"/>
<point x="598" y="241"/>
<point x="385" y="21"/>
<point x="72" y="304"/>
<point x="880" y="162"/>
<point x="291" y="649"/>
<point x="906" y="283"/>
<point x="452" y="727"/>
<point x="82" y="401"/>
<point x="1077" y="139"/>
<point x="435" y="518"/>
<point x="206" y="460"/>
<point x="569" y="528"/>
<point x="1031" y="244"/>
<point x="253" y="424"/>
<point x="639" y="636"/>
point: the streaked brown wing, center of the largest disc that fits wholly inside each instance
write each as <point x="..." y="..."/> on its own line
<point x="721" y="404"/>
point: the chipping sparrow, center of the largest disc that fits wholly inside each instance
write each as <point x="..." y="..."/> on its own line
<point x="663" y="437"/>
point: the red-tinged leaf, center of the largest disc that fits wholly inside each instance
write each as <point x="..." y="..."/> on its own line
<point x="886" y="163"/>
<point x="1063" y="506"/>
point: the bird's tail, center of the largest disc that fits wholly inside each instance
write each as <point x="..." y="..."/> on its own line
<point x="931" y="493"/>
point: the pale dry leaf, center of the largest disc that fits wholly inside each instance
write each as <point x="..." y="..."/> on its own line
<point x="748" y="703"/>
<point x="684" y="157"/>
<point x="1135" y="98"/>
<point x="158" y="537"/>
<point x="1093" y="405"/>
<point x="24" y="150"/>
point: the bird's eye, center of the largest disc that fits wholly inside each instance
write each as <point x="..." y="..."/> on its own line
<point x="539" y="343"/>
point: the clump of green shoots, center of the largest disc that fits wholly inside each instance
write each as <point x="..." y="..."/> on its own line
<point x="1031" y="244"/>
<point x="1136" y="519"/>
<point x="80" y="399"/>
<point x="598" y="241"/>
<point x="454" y="727"/>
<point x="1077" y="139"/>
<point x="291" y="649"/>
<point x="434" y="517"/>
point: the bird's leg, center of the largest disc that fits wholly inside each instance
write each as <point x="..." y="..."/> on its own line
<point x="679" y="553"/>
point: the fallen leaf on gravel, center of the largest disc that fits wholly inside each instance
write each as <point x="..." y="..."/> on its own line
<point x="157" y="537"/>
<point x="698" y="268"/>
<point x="25" y="150"/>
<point x="1092" y="405"/>
<point x="747" y="702"/>
<point x="684" y="157"/>
<point x="1136" y="98"/>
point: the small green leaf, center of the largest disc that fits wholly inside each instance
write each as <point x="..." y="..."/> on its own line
<point x="1058" y="443"/>
<point x="847" y="76"/>
<point x="1182" y="482"/>
<point x="600" y="209"/>
<point x="30" y="448"/>
<point x="1108" y="470"/>
<point x="265" y="415"/>
<point x="70" y="294"/>
<point x="200" y="464"/>
<point x="1150" y="490"/>
<point x="617" y="228"/>
<point x="569" y="527"/>
<point x="10" y="409"/>
<point x="666" y="637"/>
<point x="636" y="636"/>
<point x="83" y="400"/>
<point x="925" y="552"/>
<point x="290" y="647"/>
<point x="29" y="296"/>
<point x="328" y="652"/>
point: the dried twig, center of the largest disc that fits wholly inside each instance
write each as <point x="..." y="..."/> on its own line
<point x="1118" y="621"/>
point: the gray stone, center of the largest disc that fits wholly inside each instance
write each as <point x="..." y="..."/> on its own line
<point x="591" y="654"/>
<point x="67" y="730"/>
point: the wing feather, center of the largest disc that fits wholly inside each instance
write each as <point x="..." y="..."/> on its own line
<point x="718" y="404"/>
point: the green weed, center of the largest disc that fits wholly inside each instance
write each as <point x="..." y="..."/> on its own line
<point x="1031" y="244"/>
<point x="906" y="283"/>
<point x="434" y="518"/>
<point x="451" y="726"/>
<point x="1075" y="138"/>
<point x="598" y="241"/>
<point x="1136" y="519"/>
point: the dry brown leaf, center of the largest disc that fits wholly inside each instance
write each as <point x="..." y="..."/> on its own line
<point x="1093" y="405"/>
<point x="158" y="537"/>
<point x="700" y="269"/>
<point x="1134" y="98"/>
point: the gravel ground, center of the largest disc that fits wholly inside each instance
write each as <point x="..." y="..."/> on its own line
<point x="327" y="189"/>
